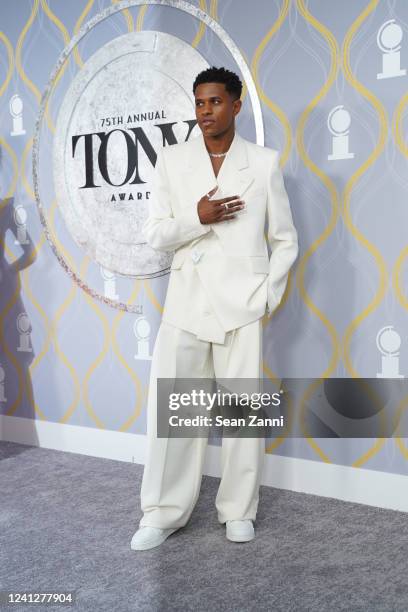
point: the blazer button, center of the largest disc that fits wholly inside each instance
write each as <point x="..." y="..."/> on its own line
<point x="195" y="256"/>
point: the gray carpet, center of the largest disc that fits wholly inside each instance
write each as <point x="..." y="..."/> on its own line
<point x="66" y="522"/>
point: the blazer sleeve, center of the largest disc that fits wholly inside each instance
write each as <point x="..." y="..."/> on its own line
<point x="164" y="231"/>
<point x="282" y="235"/>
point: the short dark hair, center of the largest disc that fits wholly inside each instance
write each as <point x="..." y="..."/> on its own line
<point x="231" y="80"/>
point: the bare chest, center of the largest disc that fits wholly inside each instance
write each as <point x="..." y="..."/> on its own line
<point x="216" y="164"/>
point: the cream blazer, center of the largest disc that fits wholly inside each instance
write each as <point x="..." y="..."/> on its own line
<point x="241" y="281"/>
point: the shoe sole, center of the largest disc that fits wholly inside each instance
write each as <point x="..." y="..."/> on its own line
<point x="240" y="538"/>
<point x="148" y="546"/>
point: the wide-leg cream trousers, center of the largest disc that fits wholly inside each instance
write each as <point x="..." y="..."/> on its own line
<point x="173" y="469"/>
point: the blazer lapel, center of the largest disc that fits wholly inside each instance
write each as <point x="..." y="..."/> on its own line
<point x="198" y="174"/>
<point x="233" y="178"/>
<point x="235" y="175"/>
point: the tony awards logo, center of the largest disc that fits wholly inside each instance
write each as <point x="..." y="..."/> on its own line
<point x="389" y="39"/>
<point x="115" y="110"/>
<point x="132" y="97"/>
<point x="338" y="122"/>
<point x="16" y="111"/>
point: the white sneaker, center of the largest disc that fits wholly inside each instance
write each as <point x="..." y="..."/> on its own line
<point x="149" y="537"/>
<point x="240" y="531"/>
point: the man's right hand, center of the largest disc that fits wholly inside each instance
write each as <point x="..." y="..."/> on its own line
<point x="214" y="211"/>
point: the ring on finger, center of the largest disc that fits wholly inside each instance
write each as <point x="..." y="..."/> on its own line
<point x="226" y="206"/>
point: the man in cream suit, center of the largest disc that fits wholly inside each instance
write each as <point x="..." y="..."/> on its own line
<point x="212" y="198"/>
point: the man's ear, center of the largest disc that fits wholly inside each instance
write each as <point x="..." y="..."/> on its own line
<point x="237" y="106"/>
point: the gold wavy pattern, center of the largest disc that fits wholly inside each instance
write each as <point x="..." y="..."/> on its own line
<point x="10" y="65"/>
<point x="24" y="179"/>
<point x="73" y="288"/>
<point x="47" y="342"/>
<point x="402" y="447"/>
<point x="277" y="442"/>
<point x="397" y="278"/>
<point x="11" y="357"/>
<point x="127" y="15"/>
<point x="26" y="284"/>
<point x="11" y="190"/>
<point x="20" y="70"/>
<point x="398" y="133"/>
<point x="201" y="28"/>
<point x="66" y="38"/>
<point x="324" y="178"/>
<point x="31" y="86"/>
<point x="214" y="9"/>
<point x="331" y="188"/>
<point x="64" y="359"/>
<point x="265" y="99"/>
<point x="382" y="285"/>
<point x="398" y="127"/>
<point x="135" y="379"/>
<point x="140" y="17"/>
<point x="287" y="129"/>
<point x="102" y="354"/>
<point x="376" y="254"/>
<point x="77" y="27"/>
<point x="52" y="328"/>
<point x="56" y="321"/>
<point x="273" y="446"/>
<point x="3" y="247"/>
<point x="375" y="448"/>
<point x="151" y="296"/>
<point x="56" y="21"/>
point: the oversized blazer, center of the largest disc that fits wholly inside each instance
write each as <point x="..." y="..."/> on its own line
<point x="241" y="282"/>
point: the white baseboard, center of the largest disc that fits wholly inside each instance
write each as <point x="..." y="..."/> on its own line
<point x="380" y="489"/>
<point x="104" y="443"/>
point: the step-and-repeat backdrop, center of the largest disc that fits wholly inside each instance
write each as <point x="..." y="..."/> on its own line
<point x="90" y="89"/>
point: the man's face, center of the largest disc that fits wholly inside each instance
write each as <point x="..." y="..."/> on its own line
<point x="215" y="108"/>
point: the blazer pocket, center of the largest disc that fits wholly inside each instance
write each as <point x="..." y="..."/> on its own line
<point x="260" y="264"/>
<point x="178" y="260"/>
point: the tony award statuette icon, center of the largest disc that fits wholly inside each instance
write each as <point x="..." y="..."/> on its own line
<point x="20" y="218"/>
<point x="388" y="343"/>
<point x="16" y="111"/>
<point x="24" y="328"/>
<point x="141" y="329"/>
<point x="338" y="122"/>
<point x="109" y="284"/>
<point x="389" y="37"/>
<point x="2" y="384"/>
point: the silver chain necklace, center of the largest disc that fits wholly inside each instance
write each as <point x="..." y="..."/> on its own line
<point x="218" y="154"/>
